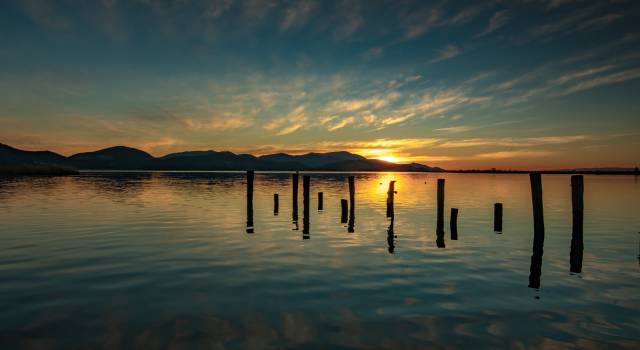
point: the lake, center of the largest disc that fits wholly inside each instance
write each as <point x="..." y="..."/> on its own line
<point x="164" y="261"/>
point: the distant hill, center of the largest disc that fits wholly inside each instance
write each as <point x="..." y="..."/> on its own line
<point x="126" y="158"/>
<point x="119" y="157"/>
<point x="14" y="161"/>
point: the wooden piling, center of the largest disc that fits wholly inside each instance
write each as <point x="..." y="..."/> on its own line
<point x="352" y="204"/>
<point x="305" y="206"/>
<point x="390" y="199"/>
<point x="250" y="176"/>
<point x="320" y="201"/>
<point x="440" y="207"/>
<point x="344" y="206"/>
<point x="577" y="243"/>
<point x="294" y="196"/>
<point x="497" y="217"/>
<point x="276" y="204"/>
<point x="535" y="269"/>
<point x="440" y="215"/>
<point x="454" y="223"/>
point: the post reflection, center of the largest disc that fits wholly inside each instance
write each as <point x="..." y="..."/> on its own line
<point x="250" y="176"/>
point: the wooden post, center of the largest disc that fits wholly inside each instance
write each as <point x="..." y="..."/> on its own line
<point x="497" y="217"/>
<point x="305" y="210"/>
<point x="440" y="215"/>
<point x="577" y="243"/>
<point x="320" y="201"/>
<point x="390" y="199"/>
<point x="344" y="206"/>
<point x="250" y="175"/>
<point x="294" y="181"/>
<point x="454" y="223"/>
<point x="352" y="204"/>
<point x="535" y="269"/>
<point x="276" y="204"/>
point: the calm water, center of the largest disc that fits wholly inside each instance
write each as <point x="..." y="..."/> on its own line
<point x="163" y="261"/>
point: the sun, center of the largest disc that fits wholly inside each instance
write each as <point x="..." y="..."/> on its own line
<point x="390" y="159"/>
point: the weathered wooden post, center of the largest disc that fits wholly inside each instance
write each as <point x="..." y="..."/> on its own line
<point x="538" y="230"/>
<point x="577" y="243"/>
<point x="390" y="196"/>
<point x="276" y="204"/>
<point x="344" y="206"/>
<point x="320" y="201"/>
<point x="440" y="213"/>
<point x="352" y="204"/>
<point x="497" y="217"/>
<point x="250" y="175"/>
<point x="305" y="206"/>
<point x="294" y="181"/>
<point x="454" y="223"/>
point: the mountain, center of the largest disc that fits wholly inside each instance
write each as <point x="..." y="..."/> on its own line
<point x="126" y="158"/>
<point x="114" y="158"/>
<point x="313" y="160"/>
<point x="14" y="161"/>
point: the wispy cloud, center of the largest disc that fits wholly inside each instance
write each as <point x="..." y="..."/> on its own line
<point x="448" y="52"/>
<point x="297" y="14"/>
<point x="513" y="142"/>
<point x="455" y="129"/>
<point x="497" y="21"/>
<point x="341" y="124"/>
<point x="289" y="123"/>
<point x="614" y="78"/>
<point x="514" y="154"/>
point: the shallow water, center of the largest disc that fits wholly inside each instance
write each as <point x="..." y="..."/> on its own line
<point x="163" y="260"/>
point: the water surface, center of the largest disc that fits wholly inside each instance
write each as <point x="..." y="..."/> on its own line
<point x="164" y="261"/>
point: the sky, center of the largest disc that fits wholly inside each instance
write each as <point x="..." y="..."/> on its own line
<point x="528" y="84"/>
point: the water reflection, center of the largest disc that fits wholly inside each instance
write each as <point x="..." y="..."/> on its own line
<point x="163" y="250"/>
<point x="305" y="199"/>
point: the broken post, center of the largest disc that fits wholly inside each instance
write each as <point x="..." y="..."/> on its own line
<point x="305" y="206"/>
<point x="344" y="206"/>
<point x="276" y="204"/>
<point x="577" y="243"/>
<point x="390" y="197"/>
<point x="538" y="230"/>
<point x="454" y="223"/>
<point x="320" y="201"/>
<point x="250" y="175"/>
<point x="440" y="217"/>
<point x="497" y="217"/>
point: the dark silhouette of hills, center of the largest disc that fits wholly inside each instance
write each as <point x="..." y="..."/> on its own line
<point x="126" y="158"/>
<point x="14" y="161"/>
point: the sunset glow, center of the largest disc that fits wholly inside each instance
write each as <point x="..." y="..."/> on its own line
<point x="528" y="84"/>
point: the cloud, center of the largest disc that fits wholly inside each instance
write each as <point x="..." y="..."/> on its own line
<point x="297" y="14"/>
<point x="289" y="123"/>
<point x="614" y="78"/>
<point x="497" y="21"/>
<point x="513" y="154"/>
<point x="448" y="52"/>
<point x="350" y="19"/>
<point x="341" y="124"/>
<point x="373" y="103"/>
<point x="373" y="53"/>
<point x="455" y="129"/>
<point x="513" y="142"/>
<point x="429" y="105"/>
<point x="224" y="122"/>
<point x="580" y="74"/>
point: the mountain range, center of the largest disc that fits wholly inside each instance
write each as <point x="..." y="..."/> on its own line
<point x="126" y="158"/>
